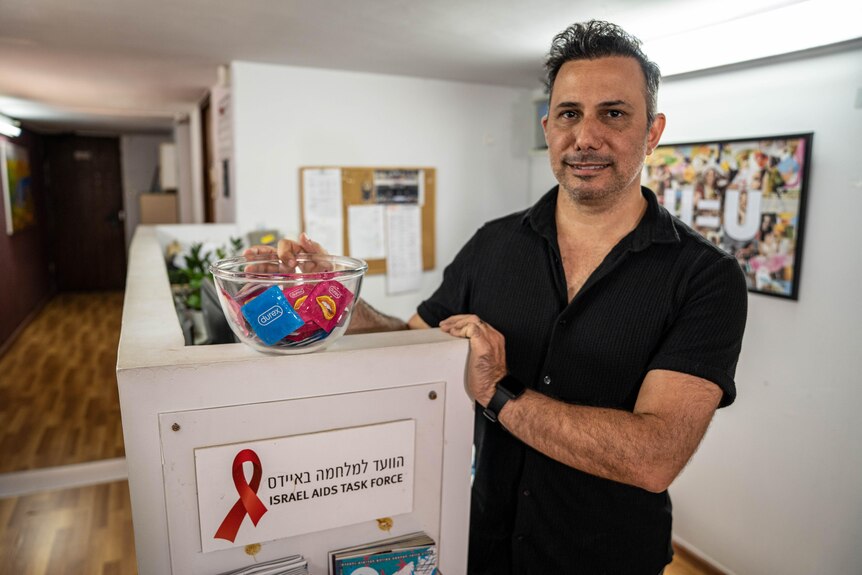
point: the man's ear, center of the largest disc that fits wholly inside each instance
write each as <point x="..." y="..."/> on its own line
<point x="655" y="132"/>
<point x="545" y="127"/>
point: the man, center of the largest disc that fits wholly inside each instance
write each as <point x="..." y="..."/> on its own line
<point x="603" y="333"/>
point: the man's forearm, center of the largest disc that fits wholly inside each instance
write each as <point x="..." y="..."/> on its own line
<point x="606" y="442"/>
<point x="366" y="319"/>
<point x="647" y="449"/>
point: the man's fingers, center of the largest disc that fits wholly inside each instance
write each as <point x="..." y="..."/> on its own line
<point x="466" y="326"/>
<point x="258" y="250"/>
<point x="287" y="250"/>
<point x="460" y="322"/>
<point x="470" y="331"/>
<point x="310" y="246"/>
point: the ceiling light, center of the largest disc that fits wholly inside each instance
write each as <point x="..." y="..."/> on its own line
<point x="9" y="127"/>
<point x="785" y="29"/>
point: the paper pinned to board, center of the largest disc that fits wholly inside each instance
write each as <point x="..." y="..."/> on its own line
<point x="367" y="231"/>
<point x="322" y="208"/>
<point x="404" y="248"/>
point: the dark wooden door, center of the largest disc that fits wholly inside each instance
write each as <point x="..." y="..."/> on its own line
<point x="86" y="199"/>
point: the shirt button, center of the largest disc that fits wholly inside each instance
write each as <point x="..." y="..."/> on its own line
<point x="526" y="493"/>
<point x="562" y="322"/>
<point x="519" y="537"/>
<point x="547" y="380"/>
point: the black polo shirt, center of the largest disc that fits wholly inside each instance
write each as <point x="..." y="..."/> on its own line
<point x="663" y="298"/>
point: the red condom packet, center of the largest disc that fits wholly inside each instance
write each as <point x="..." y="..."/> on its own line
<point x="296" y="296"/>
<point x="325" y="305"/>
<point x="235" y="310"/>
<point x="248" y="292"/>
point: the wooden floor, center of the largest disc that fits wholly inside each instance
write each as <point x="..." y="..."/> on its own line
<point x="59" y="406"/>
<point x="80" y="531"/>
<point x="58" y="385"/>
<point x="685" y="563"/>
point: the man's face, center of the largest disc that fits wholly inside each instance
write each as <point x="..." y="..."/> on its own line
<point x="596" y="128"/>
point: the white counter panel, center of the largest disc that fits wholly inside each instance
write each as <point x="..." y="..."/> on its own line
<point x="357" y="381"/>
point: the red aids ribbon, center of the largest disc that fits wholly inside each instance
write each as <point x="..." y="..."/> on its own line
<point x="248" y="502"/>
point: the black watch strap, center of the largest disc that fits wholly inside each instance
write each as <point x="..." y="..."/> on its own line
<point x="508" y="388"/>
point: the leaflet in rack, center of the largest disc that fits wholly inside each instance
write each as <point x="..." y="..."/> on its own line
<point x="414" y="554"/>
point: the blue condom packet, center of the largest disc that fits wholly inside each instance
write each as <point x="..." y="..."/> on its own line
<point x="271" y="316"/>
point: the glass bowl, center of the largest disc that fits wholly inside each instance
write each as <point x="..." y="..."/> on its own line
<point x="276" y="309"/>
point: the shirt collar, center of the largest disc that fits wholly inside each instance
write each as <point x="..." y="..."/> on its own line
<point x="656" y="226"/>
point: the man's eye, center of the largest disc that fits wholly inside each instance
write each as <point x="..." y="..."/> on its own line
<point x="568" y="115"/>
<point x="615" y="113"/>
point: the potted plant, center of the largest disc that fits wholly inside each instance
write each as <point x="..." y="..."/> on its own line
<point x="187" y="280"/>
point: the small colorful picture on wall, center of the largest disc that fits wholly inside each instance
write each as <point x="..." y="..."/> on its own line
<point x="18" y="199"/>
<point x="745" y="196"/>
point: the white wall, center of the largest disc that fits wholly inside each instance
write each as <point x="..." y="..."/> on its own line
<point x="221" y="146"/>
<point x="185" y="180"/>
<point x="190" y="195"/>
<point x="541" y="176"/>
<point x="139" y="157"/>
<point x="477" y="137"/>
<point x="777" y="485"/>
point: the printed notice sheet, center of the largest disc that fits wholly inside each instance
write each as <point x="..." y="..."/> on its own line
<point x="404" y="248"/>
<point x="322" y="205"/>
<point x="367" y="232"/>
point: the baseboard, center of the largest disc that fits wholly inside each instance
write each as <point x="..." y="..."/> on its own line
<point x="700" y="560"/>
<point x="18" y="483"/>
<point x="4" y="347"/>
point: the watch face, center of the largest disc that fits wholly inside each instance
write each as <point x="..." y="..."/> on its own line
<point x="512" y="385"/>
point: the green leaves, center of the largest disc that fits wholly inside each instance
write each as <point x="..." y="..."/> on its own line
<point x="197" y="263"/>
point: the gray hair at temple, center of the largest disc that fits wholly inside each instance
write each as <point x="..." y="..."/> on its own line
<point x="598" y="39"/>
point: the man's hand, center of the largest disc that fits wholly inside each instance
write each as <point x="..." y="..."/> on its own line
<point x="487" y="362"/>
<point x="289" y="249"/>
<point x="287" y="252"/>
<point x="262" y="253"/>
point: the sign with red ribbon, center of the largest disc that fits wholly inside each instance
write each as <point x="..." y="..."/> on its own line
<point x="299" y="484"/>
<point x="248" y="502"/>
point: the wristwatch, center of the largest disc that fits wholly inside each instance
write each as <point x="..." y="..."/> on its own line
<point x="508" y="388"/>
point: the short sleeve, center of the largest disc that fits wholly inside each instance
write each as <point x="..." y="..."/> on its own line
<point x="453" y="295"/>
<point x="705" y="335"/>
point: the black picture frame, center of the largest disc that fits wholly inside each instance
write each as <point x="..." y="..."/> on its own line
<point x="747" y="196"/>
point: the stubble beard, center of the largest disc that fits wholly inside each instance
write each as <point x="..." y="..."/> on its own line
<point x="583" y="190"/>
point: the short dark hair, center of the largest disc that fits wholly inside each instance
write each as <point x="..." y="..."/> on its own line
<point x="599" y="39"/>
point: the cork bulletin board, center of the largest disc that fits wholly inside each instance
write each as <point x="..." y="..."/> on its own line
<point x="384" y="186"/>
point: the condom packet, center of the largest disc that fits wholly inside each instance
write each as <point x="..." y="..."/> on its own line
<point x="235" y="310"/>
<point x="248" y="292"/>
<point x="306" y="335"/>
<point x="297" y="295"/>
<point x="326" y="303"/>
<point x="271" y="316"/>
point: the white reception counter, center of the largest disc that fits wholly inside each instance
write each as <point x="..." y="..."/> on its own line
<point x="385" y="413"/>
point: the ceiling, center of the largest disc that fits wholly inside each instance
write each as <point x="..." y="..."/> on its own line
<point x="136" y="65"/>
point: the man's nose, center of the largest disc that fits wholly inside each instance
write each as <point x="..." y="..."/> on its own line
<point x="588" y="134"/>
